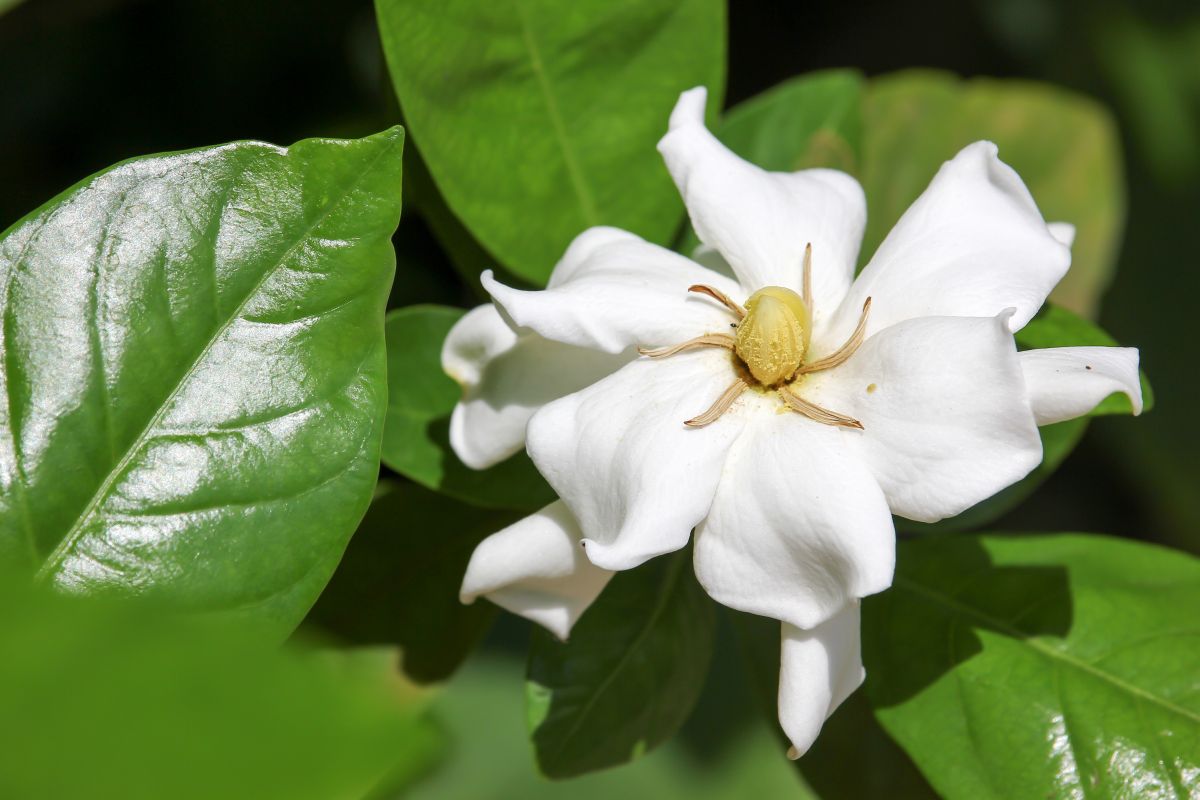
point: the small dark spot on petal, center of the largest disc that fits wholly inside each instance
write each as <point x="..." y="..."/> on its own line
<point x="1089" y="366"/>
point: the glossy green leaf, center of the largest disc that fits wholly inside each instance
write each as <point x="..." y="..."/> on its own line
<point x="1062" y="144"/>
<point x="193" y="375"/>
<point x="629" y="675"/>
<point x="416" y="439"/>
<point x="1053" y="326"/>
<point x="1057" y="666"/>
<point x="539" y="119"/>
<point x="399" y="579"/>
<point x="107" y="702"/>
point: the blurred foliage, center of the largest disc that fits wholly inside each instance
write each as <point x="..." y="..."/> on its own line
<point x="481" y="712"/>
<point x="109" y="701"/>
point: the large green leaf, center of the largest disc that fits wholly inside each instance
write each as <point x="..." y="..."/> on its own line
<point x="107" y="702"/>
<point x="193" y="375"/>
<point x="416" y="440"/>
<point x="539" y="119"/>
<point x="629" y="675"/>
<point x="1062" y="144"/>
<point x="398" y="582"/>
<point x="1058" y="666"/>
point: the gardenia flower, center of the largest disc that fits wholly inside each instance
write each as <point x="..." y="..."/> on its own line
<point x="770" y="401"/>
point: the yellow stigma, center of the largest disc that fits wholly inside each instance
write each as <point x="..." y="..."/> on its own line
<point x="773" y="337"/>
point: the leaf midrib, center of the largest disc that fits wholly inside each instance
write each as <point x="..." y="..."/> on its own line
<point x="1051" y="653"/>
<point x="574" y="172"/>
<point x="74" y="533"/>
<point x="668" y="590"/>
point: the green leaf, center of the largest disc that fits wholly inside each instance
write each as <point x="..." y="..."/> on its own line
<point x="630" y="674"/>
<point x="538" y="120"/>
<point x="1054" y="326"/>
<point x="1062" y="144"/>
<point x="1053" y="666"/>
<point x="416" y="439"/>
<point x="104" y="701"/>
<point x="398" y="582"/>
<point x="193" y="374"/>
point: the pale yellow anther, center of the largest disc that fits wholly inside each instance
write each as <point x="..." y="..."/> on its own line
<point x="773" y="337"/>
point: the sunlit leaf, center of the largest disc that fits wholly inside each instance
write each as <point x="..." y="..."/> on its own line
<point x="539" y="119"/>
<point x="194" y="379"/>
<point x="629" y="675"/>
<point x="1055" y="666"/>
<point x="416" y="441"/>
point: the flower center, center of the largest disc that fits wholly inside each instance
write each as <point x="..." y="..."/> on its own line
<point x="773" y="332"/>
<point x="774" y="335"/>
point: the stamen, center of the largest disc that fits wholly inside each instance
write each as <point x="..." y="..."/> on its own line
<point x="720" y="297"/>
<point x="708" y="340"/>
<point x="844" y="352"/>
<point x="720" y="407"/>
<point x="807" y="282"/>
<point x="816" y="413"/>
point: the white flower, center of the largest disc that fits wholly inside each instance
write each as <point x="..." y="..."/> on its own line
<point x="805" y="408"/>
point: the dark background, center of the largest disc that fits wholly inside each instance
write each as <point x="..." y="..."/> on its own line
<point x="86" y="83"/>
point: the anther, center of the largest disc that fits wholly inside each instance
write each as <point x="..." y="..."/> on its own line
<point x="709" y="340"/>
<point x="806" y="283"/>
<point x="720" y="297"/>
<point x="816" y="412"/>
<point x="733" y="392"/>
<point x="844" y="352"/>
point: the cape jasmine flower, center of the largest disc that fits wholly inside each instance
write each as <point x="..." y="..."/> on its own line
<point x="768" y="400"/>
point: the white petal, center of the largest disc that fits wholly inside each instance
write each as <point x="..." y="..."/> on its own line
<point x="760" y="220"/>
<point x="946" y="419"/>
<point x="819" y="669"/>
<point x="1068" y="382"/>
<point x="637" y="479"/>
<point x="536" y="568"/>
<point x="505" y="379"/>
<point x="1063" y="232"/>
<point x="615" y="291"/>
<point x="799" y="525"/>
<point x="972" y="245"/>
